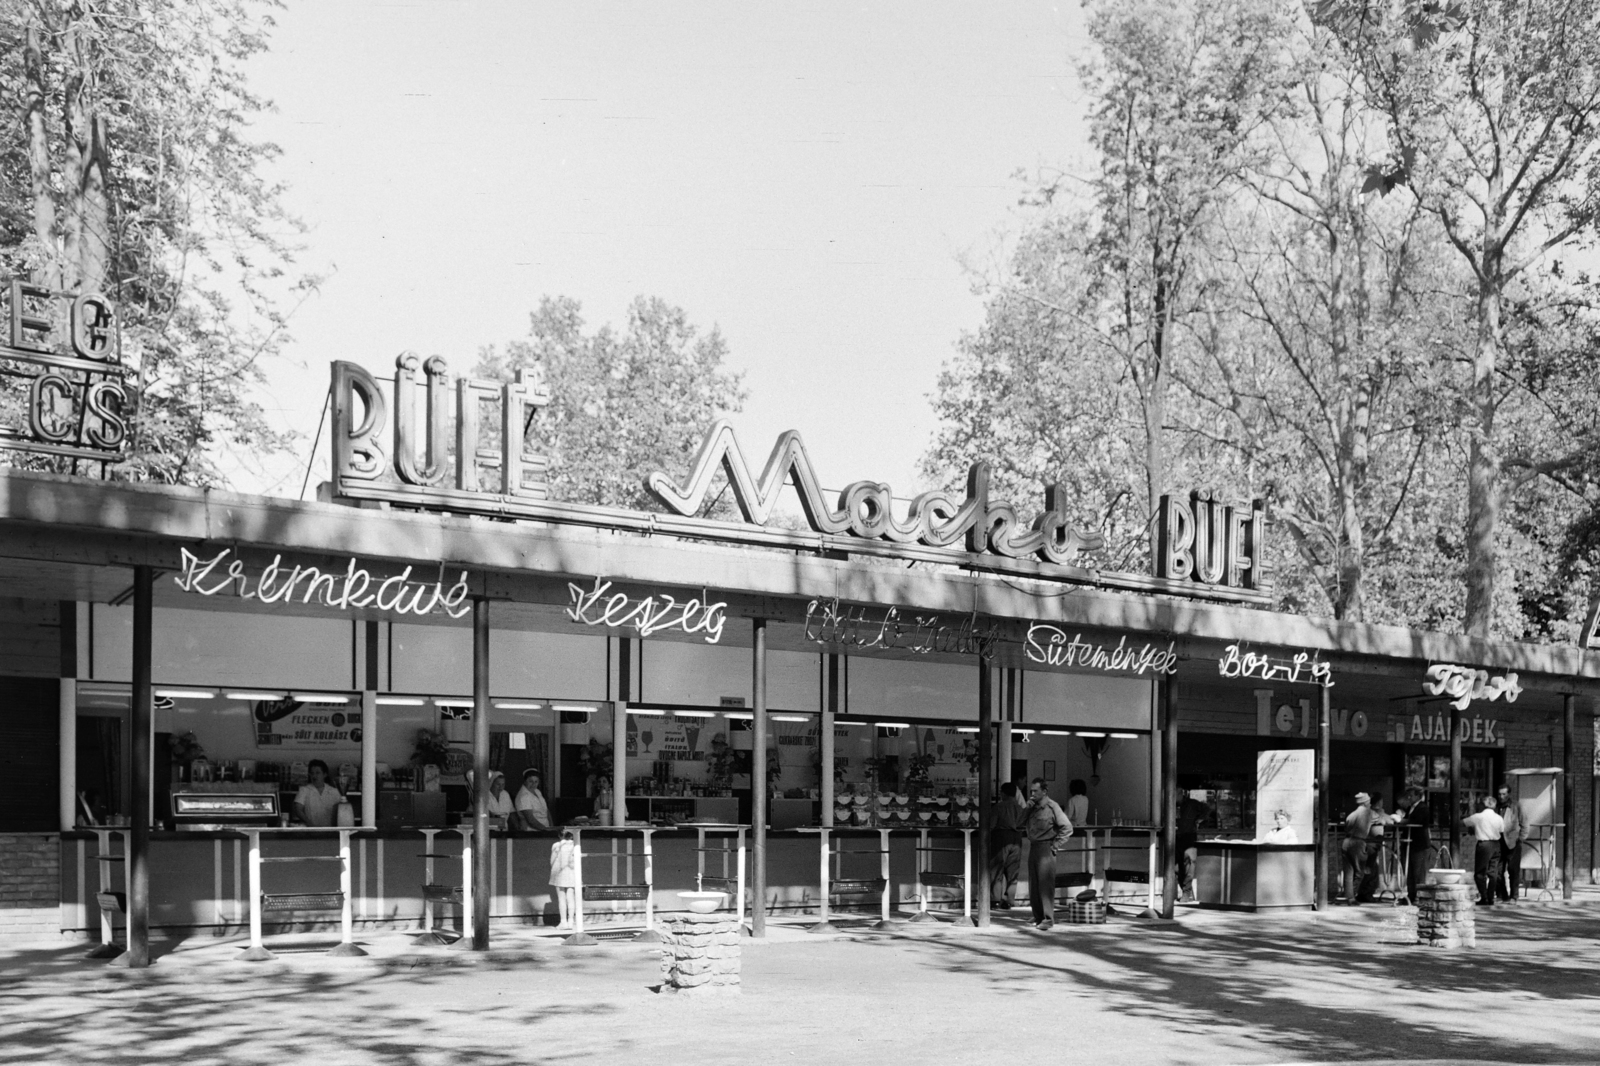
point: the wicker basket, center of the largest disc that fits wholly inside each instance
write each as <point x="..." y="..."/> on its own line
<point x="1090" y="913"/>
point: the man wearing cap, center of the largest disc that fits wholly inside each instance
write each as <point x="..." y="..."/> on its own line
<point x="1357" y="824"/>
<point x="1487" y="827"/>
<point x="532" y="811"/>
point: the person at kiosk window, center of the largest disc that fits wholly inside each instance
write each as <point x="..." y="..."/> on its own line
<point x="500" y="804"/>
<point x="1046" y="826"/>
<point x="1078" y="802"/>
<point x="532" y="812"/>
<point x="317" y="802"/>
<point x="1281" y="832"/>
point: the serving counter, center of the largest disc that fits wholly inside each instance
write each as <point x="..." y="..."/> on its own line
<point x="1245" y="875"/>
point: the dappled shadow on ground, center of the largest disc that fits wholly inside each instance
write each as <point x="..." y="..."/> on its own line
<point x="1328" y="990"/>
<point x="55" y="1006"/>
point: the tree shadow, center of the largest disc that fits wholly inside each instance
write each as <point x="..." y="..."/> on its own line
<point x="1326" y="990"/>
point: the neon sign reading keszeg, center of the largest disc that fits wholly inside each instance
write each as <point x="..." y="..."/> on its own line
<point x="649" y="615"/>
<point x="353" y="588"/>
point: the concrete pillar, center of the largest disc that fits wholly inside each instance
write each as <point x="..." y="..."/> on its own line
<point x="482" y="879"/>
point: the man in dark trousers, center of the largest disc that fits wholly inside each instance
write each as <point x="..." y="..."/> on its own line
<point x="1046" y="826"/>
<point x="1413" y="827"/>
<point x="1005" y="846"/>
<point x="1505" y="887"/>
<point x="1486" y="828"/>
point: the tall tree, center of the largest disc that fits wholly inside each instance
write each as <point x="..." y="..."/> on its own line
<point x="621" y="405"/>
<point x="1179" y="88"/>
<point x="1494" y="115"/>
<point x="131" y="170"/>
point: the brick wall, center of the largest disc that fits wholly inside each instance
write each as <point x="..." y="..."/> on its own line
<point x="30" y="885"/>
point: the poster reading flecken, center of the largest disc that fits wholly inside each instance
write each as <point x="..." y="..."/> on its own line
<point x="306" y="726"/>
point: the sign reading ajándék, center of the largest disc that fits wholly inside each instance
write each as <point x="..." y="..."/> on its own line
<point x="1209" y="549"/>
<point x="64" y="345"/>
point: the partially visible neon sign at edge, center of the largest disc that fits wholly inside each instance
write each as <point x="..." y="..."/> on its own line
<point x="352" y="588"/>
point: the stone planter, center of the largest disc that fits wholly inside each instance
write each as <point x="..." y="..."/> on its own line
<point x="702" y="953"/>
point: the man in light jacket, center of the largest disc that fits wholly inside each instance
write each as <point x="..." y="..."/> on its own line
<point x="1505" y="888"/>
<point x="1047" y="828"/>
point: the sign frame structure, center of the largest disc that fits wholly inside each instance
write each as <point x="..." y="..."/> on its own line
<point x="70" y="344"/>
<point x="396" y="461"/>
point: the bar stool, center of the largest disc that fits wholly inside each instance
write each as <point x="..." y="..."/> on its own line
<point x="929" y="878"/>
<point x="299" y="901"/>
<point x="732" y="880"/>
<point x="436" y="895"/>
<point x="618" y="892"/>
<point x="850" y="886"/>
<point x="111" y="903"/>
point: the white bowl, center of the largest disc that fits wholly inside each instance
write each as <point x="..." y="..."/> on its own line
<point x="1446" y="876"/>
<point x="902" y="798"/>
<point x="943" y="801"/>
<point x="703" y="902"/>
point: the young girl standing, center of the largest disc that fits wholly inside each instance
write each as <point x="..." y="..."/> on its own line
<point x="564" y="875"/>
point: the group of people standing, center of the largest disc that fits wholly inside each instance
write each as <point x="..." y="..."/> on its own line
<point x="1046" y="825"/>
<point x="1497" y="829"/>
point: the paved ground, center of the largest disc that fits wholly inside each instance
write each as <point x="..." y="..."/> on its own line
<point x="1348" y="986"/>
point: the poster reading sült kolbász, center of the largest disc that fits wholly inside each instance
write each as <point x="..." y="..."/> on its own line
<point x="290" y="724"/>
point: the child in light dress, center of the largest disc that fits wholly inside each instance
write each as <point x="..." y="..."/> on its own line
<point x="564" y="875"/>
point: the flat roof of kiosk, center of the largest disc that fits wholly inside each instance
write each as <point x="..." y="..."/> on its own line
<point x="73" y="538"/>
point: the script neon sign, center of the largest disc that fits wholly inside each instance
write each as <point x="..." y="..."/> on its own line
<point x="1051" y="646"/>
<point x="855" y="627"/>
<point x="652" y="614"/>
<point x="352" y="588"/>
<point x="1235" y="663"/>
<point x="1463" y="684"/>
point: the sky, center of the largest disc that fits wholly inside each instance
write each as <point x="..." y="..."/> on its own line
<point x="807" y="177"/>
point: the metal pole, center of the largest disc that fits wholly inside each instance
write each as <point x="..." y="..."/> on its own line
<point x="1455" y="789"/>
<point x="619" y="733"/>
<point x="986" y="784"/>
<point x="1003" y="750"/>
<point x="67" y="720"/>
<point x="1319" y="832"/>
<point x="369" y="733"/>
<point x="1569" y="715"/>
<point x="1169" y="796"/>
<point x="138" y="953"/>
<point x="482" y="888"/>
<point x="758" y="783"/>
<point x="830" y="707"/>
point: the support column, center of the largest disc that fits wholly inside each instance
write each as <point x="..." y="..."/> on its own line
<point x="482" y="879"/>
<point x="1455" y="791"/>
<point x="369" y="732"/>
<point x="1169" y="795"/>
<point x="830" y="708"/>
<point x="758" y="781"/>
<point x="138" y="854"/>
<point x="985" y="784"/>
<point x="619" y="733"/>
<point x="67" y="718"/>
<point x="1569" y="716"/>
<point x="1319" y="832"/>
